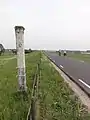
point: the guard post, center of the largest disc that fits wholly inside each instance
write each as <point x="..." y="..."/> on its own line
<point x="19" y="32"/>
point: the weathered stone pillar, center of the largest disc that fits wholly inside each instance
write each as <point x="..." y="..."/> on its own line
<point x="19" y="32"/>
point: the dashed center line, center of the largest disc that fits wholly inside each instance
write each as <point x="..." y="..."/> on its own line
<point x="84" y="83"/>
<point x="61" y="66"/>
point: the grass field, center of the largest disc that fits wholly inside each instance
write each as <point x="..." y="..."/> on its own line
<point x="12" y="105"/>
<point x="84" y="57"/>
<point x="78" y="56"/>
<point x="57" y="100"/>
<point x="6" y="55"/>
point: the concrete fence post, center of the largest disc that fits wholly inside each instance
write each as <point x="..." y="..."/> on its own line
<point x="19" y="32"/>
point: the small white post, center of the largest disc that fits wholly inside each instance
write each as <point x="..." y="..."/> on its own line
<point x="19" y="32"/>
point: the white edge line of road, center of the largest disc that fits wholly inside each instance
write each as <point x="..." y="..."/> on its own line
<point x="53" y="60"/>
<point x="61" y="66"/>
<point x="84" y="83"/>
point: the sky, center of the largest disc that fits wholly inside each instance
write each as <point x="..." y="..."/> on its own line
<point x="49" y="24"/>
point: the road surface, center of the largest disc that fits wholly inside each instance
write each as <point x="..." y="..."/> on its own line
<point x="78" y="71"/>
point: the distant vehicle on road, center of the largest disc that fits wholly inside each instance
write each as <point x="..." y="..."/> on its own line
<point x="59" y="52"/>
<point x="65" y="53"/>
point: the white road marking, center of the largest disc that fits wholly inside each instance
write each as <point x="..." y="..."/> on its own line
<point x="84" y="83"/>
<point x="61" y="66"/>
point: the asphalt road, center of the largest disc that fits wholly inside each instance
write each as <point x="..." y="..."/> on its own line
<point x="78" y="71"/>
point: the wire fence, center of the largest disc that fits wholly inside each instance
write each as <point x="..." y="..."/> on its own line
<point x="32" y="112"/>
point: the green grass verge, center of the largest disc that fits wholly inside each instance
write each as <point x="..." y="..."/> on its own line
<point x="57" y="100"/>
<point x="6" y="55"/>
<point x="78" y="56"/>
<point x="83" y="57"/>
<point x="14" y="106"/>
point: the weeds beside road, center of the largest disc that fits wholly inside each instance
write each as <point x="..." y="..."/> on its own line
<point x="57" y="100"/>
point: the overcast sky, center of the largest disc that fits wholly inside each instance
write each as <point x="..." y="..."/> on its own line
<point x="49" y="24"/>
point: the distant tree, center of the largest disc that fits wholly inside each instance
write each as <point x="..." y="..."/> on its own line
<point x="2" y="49"/>
<point x="88" y="51"/>
<point x="14" y="51"/>
<point x="28" y="51"/>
